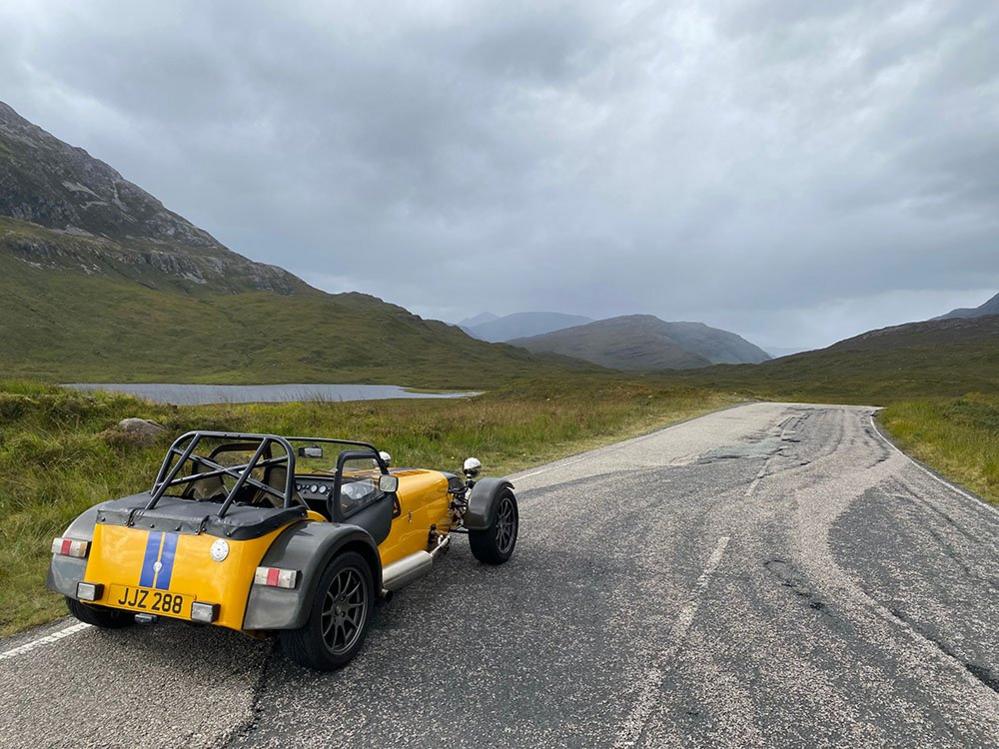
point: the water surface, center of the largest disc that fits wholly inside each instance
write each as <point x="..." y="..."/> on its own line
<point x="192" y="395"/>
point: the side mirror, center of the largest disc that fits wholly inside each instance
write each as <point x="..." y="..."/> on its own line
<point x="312" y="451"/>
<point x="388" y="484"/>
<point x="471" y="468"/>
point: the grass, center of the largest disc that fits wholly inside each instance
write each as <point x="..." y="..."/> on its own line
<point x="957" y="436"/>
<point x="59" y="453"/>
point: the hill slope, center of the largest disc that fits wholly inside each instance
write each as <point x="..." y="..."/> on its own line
<point x="98" y="281"/>
<point x="948" y="357"/>
<point x="991" y="307"/>
<point x="645" y="343"/>
<point x="523" y="324"/>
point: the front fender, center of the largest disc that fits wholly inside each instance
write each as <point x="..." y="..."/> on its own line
<point x="482" y="501"/>
<point x="307" y="547"/>
<point x="66" y="572"/>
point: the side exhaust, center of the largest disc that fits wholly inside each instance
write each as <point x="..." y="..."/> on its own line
<point x="400" y="574"/>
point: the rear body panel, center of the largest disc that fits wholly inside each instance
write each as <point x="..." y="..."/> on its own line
<point x="127" y="559"/>
<point x="160" y="561"/>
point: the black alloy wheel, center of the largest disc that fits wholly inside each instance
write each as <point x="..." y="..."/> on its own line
<point x="495" y="544"/>
<point x="338" y="619"/>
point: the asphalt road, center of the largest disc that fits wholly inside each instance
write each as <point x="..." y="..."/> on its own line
<point x="771" y="575"/>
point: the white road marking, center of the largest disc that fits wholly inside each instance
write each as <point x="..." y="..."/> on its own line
<point x="633" y="726"/>
<point x="46" y="640"/>
<point x="978" y="503"/>
<point x="756" y="481"/>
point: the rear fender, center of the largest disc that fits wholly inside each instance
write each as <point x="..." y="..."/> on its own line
<point x="307" y="547"/>
<point x="482" y="502"/>
<point x="66" y="572"/>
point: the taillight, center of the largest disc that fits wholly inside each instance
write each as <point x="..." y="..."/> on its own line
<point x="70" y="547"/>
<point x="276" y="577"/>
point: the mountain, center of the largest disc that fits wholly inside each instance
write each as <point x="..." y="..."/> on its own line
<point x="99" y="281"/>
<point x="645" y="343"/>
<point x="523" y="324"/>
<point x="716" y="345"/>
<point x="479" y="319"/>
<point x="101" y="223"/>
<point x="991" y="307"/>
<point x="778" y="351"/>
<point x="945" y="357"/>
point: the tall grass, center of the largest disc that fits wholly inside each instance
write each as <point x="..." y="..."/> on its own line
<point x="957" y="436"/>
<point x="59" y="452"/>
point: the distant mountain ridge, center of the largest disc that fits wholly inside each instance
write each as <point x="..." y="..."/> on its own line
<point x="645" y="343"/>
<point x="991" y="307"/>
<point x="523" y="324"/>
<point x="479" y="319"/>
<point x="100" y="282"/>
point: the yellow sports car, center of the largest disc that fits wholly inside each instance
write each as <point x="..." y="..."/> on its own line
<point x="263" y="534"/>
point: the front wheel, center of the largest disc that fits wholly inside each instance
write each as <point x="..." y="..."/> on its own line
<point x="99" y="616"/>
<point x="495" y="544"/>
<point x="338" y="620"/>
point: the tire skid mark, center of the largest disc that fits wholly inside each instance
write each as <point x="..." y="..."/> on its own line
<point x="946" y="545"/>
<point x="983" y="673"/>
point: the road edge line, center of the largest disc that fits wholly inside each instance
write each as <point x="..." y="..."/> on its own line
<point x="48" y="639"/>
<point x="978" y="501"/>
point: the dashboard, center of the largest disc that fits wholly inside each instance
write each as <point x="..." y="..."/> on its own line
<point x="313" y="487"/>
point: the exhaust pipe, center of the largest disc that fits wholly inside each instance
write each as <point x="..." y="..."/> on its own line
<point x="400" y="574"/>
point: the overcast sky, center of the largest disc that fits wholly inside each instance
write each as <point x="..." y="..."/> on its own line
<point x="795" y="171"/>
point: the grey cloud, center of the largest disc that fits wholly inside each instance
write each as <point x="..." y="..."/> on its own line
<point x="795" y="171"/>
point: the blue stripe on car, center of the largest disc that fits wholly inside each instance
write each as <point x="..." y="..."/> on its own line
<point x="152" y="553"/>
<point x="166" y="560"/>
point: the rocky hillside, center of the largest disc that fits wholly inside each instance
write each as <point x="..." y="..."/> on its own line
<point x="98" y="281"/>
<point x="646" y="343"/>
<point x="66" y="209"/>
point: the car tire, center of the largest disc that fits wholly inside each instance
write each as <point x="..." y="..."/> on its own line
<point x="338" y="618"/>
<point x="99" y="616"/>
<point x="495" y="544"/>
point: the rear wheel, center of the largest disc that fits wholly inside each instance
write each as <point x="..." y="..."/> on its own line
<point x="495" y="544"/>
<point x="339" y="617"/>
<point x="98" y="615"/>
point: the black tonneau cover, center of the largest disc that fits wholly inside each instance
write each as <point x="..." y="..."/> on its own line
<point x="190" y="516"/>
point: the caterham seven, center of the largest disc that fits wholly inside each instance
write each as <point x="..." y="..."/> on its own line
<point x="266" y="535"/>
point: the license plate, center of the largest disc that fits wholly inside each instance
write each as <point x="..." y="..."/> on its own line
<point x="153" y="601"/>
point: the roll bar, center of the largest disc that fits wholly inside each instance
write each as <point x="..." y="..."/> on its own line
<point x="185" y="445"/>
